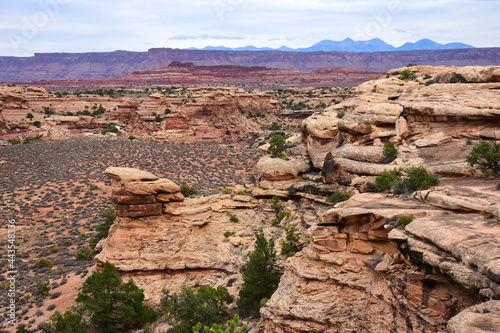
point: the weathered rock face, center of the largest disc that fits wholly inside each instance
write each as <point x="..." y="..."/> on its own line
<point x="164" y="240"/>
<point x="352" y="278"/>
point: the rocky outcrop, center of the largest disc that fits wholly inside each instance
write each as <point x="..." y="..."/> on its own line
<point x="138" y="193"/>
<point x="352" y="277"/>
<point x="270" y="168"/>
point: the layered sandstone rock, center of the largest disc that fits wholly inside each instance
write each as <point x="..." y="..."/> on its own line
<point x="138" y="193"/>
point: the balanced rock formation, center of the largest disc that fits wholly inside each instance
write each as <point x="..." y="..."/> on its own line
<point x="139" y="193"/>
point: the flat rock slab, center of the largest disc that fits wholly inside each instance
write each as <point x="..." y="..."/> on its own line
<point x="472" y="239"/>
<point x="129" y="174"/>
<point x="484" y="317"/>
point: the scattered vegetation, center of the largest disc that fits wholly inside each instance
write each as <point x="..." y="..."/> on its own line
<point x="70" y="321"/>
<point x="111" y="129"/>
<point x="37" y="123"/>
<point x="390" y="152"/>
<point x="206" y="306"/>
<point x="234" y="218"/>
<point x="260" y="276"/>
<point x="84" y="254"/>
<point x="486" y="156"/>
<point x="188" y="191"/>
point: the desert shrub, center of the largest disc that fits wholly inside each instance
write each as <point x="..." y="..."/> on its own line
<point x="29" y="115"/>
<point x="260" y="276"/>
<point x="228" y="234"/>
<point x="418" y="178"/>
<point x="48" y="111"/>
<point x="84" y="255"/>
<point x="111" y="304"/>
<point x="168" y="111"/>
<point x="42" y="287"/>
<point x="408" y="181"/>
<point x="158" y="119"/>
<point x="275" y="204"/>
<point x="290" y="245"/>
<point x="206" y="305"/>
<point x="14" y="141"/>
<point x="279" y="217"/>
<point x="338" y="197"/>
<point x="111" y="129"/>
<point x="188" y="191"/>
<point x="430" y="82"/>
<point x="234" y="219"/>
<point x="486" y="156"/>
<point x="387" y="179"/>
<point x="131" y="137"/>
<point x="390" y="152"/>
<point x="67" y="242"/>
<point x="407" y="75"/>
<point x="43" y="263"/>
<point x="411" y="64"/>
<point x="218" y="328"/>
<point x="103" y="229"/>
<point x="30" y="139"/>
<point x="228" y="132"/>
<point x="54" y="249"/>
<point x="81" y="235"/>
<point x="37" y="123"/>
<point x="94" y="187"/>
<point x="277" y="146"/>
<point x="68" y="322"/>
<point x="404" y="221"/>
<point x="292" y="191"/>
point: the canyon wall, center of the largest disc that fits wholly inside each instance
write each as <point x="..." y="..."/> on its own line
<point x="49" y="66"/>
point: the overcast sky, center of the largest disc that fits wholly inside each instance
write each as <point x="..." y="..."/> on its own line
<point x="29" y="26"/>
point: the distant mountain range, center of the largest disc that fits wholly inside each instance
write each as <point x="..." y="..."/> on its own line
<point x="349" y="45"/>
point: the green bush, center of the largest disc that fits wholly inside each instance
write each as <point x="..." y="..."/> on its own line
<point x="81" y="235"/>
<point x="276" y="146"/>
<point x="228" y="132"/>
<point x="42" y="287"/>
<point x="131" y="137"/>
<point x="37" y="123"/>
<point x="340" y="114"/>
<point x="338" y="197"/>
<point x="290" y="245"/>
<point x="84" y="255"/>
<point x="158" y="119"/>
<point x="407" y="75"/>
<point x="486" y="156"/>
<point x="206" y="305"/>
<point x="387" y="179"/>
<point x="228" y="234"/>
<point x="279" y="217"/>
<point x="404" y="221"/>
<point x="234" y="219"/>
<point x="14" y="141"/>
<point x="30" y="139"/>
<point x="260" y="276"/>
<point x="29" y="116"/>
<point x="103" y="229"/>
<point x="43" y="263"/>
<point x="405" y="181"/>
<point x="188" y="191"/>
<point x="111" y="129"/>
<point x="55" y="249"/>
<point x="48" y="111"/>
<point x="276" y="205"/>
<point x="111" y="304"/>
<point x="390" y="152"/>
<point x="69" y="322"/>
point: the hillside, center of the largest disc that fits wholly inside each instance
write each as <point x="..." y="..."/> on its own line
<point x="70" y="66"/>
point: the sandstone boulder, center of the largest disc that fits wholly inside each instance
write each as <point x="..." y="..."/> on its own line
<point x="278" y="169"/>
<point x="484" y="317"/>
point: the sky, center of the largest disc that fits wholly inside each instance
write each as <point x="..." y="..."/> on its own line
<point x="41" y="26"/>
